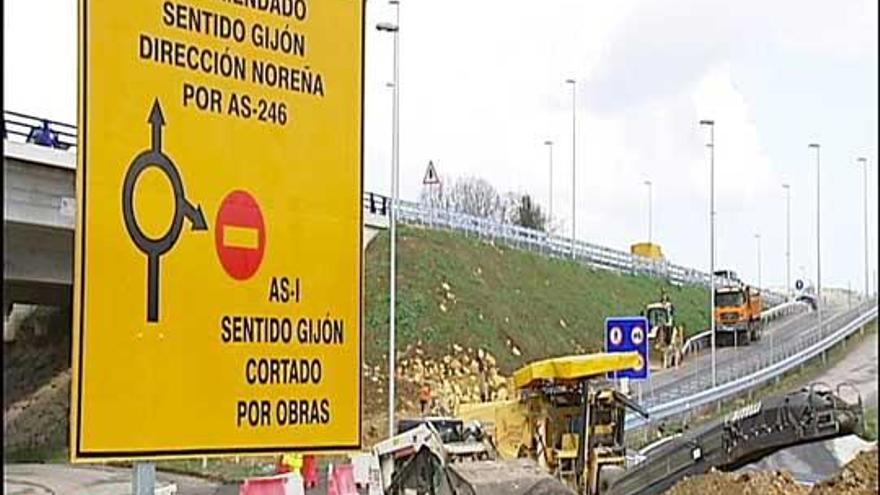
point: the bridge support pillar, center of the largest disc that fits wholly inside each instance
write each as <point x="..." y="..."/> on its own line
<point x="9" y="328"/>
<point x="16" y="314"/>
<point x="20" y="318"/>
<point x="824" y="357"/>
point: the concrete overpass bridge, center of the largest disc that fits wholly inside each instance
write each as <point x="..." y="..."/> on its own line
<point x="38" y="223"/>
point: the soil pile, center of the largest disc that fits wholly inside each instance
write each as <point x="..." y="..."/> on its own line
<point x="751" y="483"/>
<point x="859" y="477"/>
<point x="36" y="387"/>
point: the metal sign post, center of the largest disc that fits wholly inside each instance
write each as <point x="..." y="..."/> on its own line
<point x="143" y="478"/>
<point x="431" y="179"/>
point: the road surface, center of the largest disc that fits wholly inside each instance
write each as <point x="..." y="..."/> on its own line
<point x="65" y="479"/>
<point x="695" y="374"/>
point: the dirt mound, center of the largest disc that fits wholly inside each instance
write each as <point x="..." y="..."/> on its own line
<point x="751" y="483"/>
<point x="462" y="375"/>
<point x="36" y="387"/>
<point x="859" y="477"/>
<point x="34" y="358"/>
<point x="40" y="421"/>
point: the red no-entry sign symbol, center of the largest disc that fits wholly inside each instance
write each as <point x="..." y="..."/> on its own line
<point x="240" y="235"/>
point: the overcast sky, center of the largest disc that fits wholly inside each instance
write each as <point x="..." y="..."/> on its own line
<point x="482" y="87"/>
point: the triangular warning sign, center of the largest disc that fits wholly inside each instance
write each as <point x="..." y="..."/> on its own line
<point x="431" y="175"/>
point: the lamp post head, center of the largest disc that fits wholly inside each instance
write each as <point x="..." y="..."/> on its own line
<point x="862" y="159"/>
<point x="386" y="26"/>
<point x="648" y="183"/>
<point x="548" y="142"/>
<point x="786" y="186"/>
<point x="707" y="122"/>
<point x="813" y="145"/>
<point x="569" y="81"/>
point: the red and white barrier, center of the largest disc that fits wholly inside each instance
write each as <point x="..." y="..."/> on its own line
<point x="282" y="484"/>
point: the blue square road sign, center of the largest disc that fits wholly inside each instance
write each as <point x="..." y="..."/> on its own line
<point x="628" y="334"/>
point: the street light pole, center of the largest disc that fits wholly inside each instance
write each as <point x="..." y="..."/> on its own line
<point x="758" y="242"/>
<point x="711" y="146"/>
<point x="395" y="165"/>
<point x="864" y="162"/>
<point x="650" y="202"/>
<point x="818" y="239"/>
<point x="573" y="161"/>
<point x="549" y="145"/>
<point x="787" y="239"/>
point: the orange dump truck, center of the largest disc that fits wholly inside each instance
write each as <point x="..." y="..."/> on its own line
<point x="738" y="310"/>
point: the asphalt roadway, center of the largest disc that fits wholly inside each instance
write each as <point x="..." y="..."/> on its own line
<point x="695" y="373"/>
<point x="66" y="479"/>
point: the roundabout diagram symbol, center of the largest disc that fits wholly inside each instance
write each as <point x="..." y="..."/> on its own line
<point x="183" y="208"/>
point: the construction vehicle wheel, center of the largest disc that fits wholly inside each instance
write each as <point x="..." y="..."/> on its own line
<point x="608" y="475"/>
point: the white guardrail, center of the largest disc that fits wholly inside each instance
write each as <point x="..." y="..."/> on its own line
<point x="783" y="309"/>
<point x="759" y="376"/>
<point x="548" y="244"/>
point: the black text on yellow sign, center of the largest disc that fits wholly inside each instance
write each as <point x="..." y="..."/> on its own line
<point x="217" y="301"/>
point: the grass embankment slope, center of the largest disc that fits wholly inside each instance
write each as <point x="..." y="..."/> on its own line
<point x="544" y="306"/>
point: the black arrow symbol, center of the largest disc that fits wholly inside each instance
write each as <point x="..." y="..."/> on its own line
<point x="156" y="120"/>
<point x="195" y="215"/>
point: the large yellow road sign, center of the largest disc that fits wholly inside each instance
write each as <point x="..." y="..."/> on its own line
<point x="217" y="305"/>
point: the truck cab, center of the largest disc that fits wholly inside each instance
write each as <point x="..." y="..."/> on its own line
<point x="738" y="310"/>
<point x="728" y="277"/>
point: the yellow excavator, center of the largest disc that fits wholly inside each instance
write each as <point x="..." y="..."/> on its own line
<point x="567" y="418"/>
<point x="666" y="337"/>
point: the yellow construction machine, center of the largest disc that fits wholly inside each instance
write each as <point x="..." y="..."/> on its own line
<point x="666" y="337"/>
<point x="557" y="398"/>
